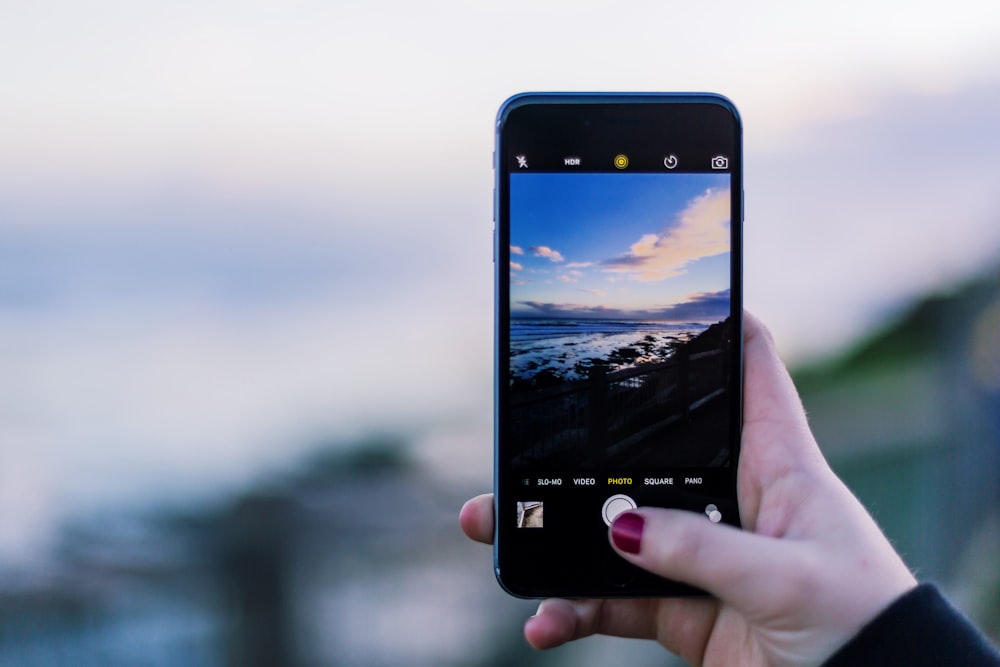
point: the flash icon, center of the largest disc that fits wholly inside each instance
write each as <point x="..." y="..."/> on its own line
<point x="522" y="161"/>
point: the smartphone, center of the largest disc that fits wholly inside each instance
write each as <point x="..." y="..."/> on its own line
<point x="618" y="329"/>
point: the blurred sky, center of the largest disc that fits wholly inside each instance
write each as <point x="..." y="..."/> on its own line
<point x="230" y="230"/>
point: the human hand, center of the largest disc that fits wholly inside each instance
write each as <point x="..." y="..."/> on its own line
<point x="808" y="570"/>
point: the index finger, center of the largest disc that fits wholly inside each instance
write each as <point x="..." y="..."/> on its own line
<point x="476" y="518"/>
<point x="773" y="416"/>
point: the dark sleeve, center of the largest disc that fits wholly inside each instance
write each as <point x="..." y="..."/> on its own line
<point x="917" y="630"/>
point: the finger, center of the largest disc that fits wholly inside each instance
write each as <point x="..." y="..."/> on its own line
<point x="769" y="392"/>
<point x="776" y="434"/>
<point x="682" y="625"/>
<point x="559" y="621"/>
<point x="737" y="567"/>
<point x="476" y="518"/>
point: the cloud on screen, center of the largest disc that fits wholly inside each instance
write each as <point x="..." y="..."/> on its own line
<point x="701" y="230"/>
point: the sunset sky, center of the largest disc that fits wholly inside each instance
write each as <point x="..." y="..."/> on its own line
<point x="623" y="246"/>
<point x="230" y="230"/>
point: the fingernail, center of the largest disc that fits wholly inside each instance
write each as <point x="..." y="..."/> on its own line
<point x="626" y="532"/>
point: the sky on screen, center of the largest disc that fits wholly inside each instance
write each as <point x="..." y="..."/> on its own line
<point x="629" y="246"/>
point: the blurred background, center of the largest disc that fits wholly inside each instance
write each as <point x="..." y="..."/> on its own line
<point x="246" y="302"/>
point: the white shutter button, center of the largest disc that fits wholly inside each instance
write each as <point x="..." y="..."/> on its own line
<point x="615" y="505"/>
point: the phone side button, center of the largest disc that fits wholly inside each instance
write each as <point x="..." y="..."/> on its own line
<point x="494" y="245"/>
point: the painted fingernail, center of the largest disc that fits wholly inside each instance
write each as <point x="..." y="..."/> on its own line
<point x="626" y="532"/>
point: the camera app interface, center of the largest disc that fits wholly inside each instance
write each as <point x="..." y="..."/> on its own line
<point x="621" y="357"/>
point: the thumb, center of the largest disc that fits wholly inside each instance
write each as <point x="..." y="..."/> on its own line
<point x="737" y="567"/>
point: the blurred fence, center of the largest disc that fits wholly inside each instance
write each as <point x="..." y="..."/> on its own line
<point x="593" y="420"/>
<point x="353" y="563"/>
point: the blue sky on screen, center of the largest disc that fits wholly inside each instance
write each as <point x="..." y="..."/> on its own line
<point x="610" y="245"/>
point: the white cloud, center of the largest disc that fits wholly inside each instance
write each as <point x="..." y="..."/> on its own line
<point x="702" y="230"/>
<point x="547" y="252"/>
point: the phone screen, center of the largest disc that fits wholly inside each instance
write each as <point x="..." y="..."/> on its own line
<point x="619" y="329"/>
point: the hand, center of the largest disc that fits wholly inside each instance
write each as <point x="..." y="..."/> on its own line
<point x="808" y="570"/>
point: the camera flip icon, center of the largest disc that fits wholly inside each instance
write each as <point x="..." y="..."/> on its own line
<point x="720" y="162"/>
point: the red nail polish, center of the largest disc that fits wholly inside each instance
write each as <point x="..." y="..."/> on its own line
<point x="626" y="532"/>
